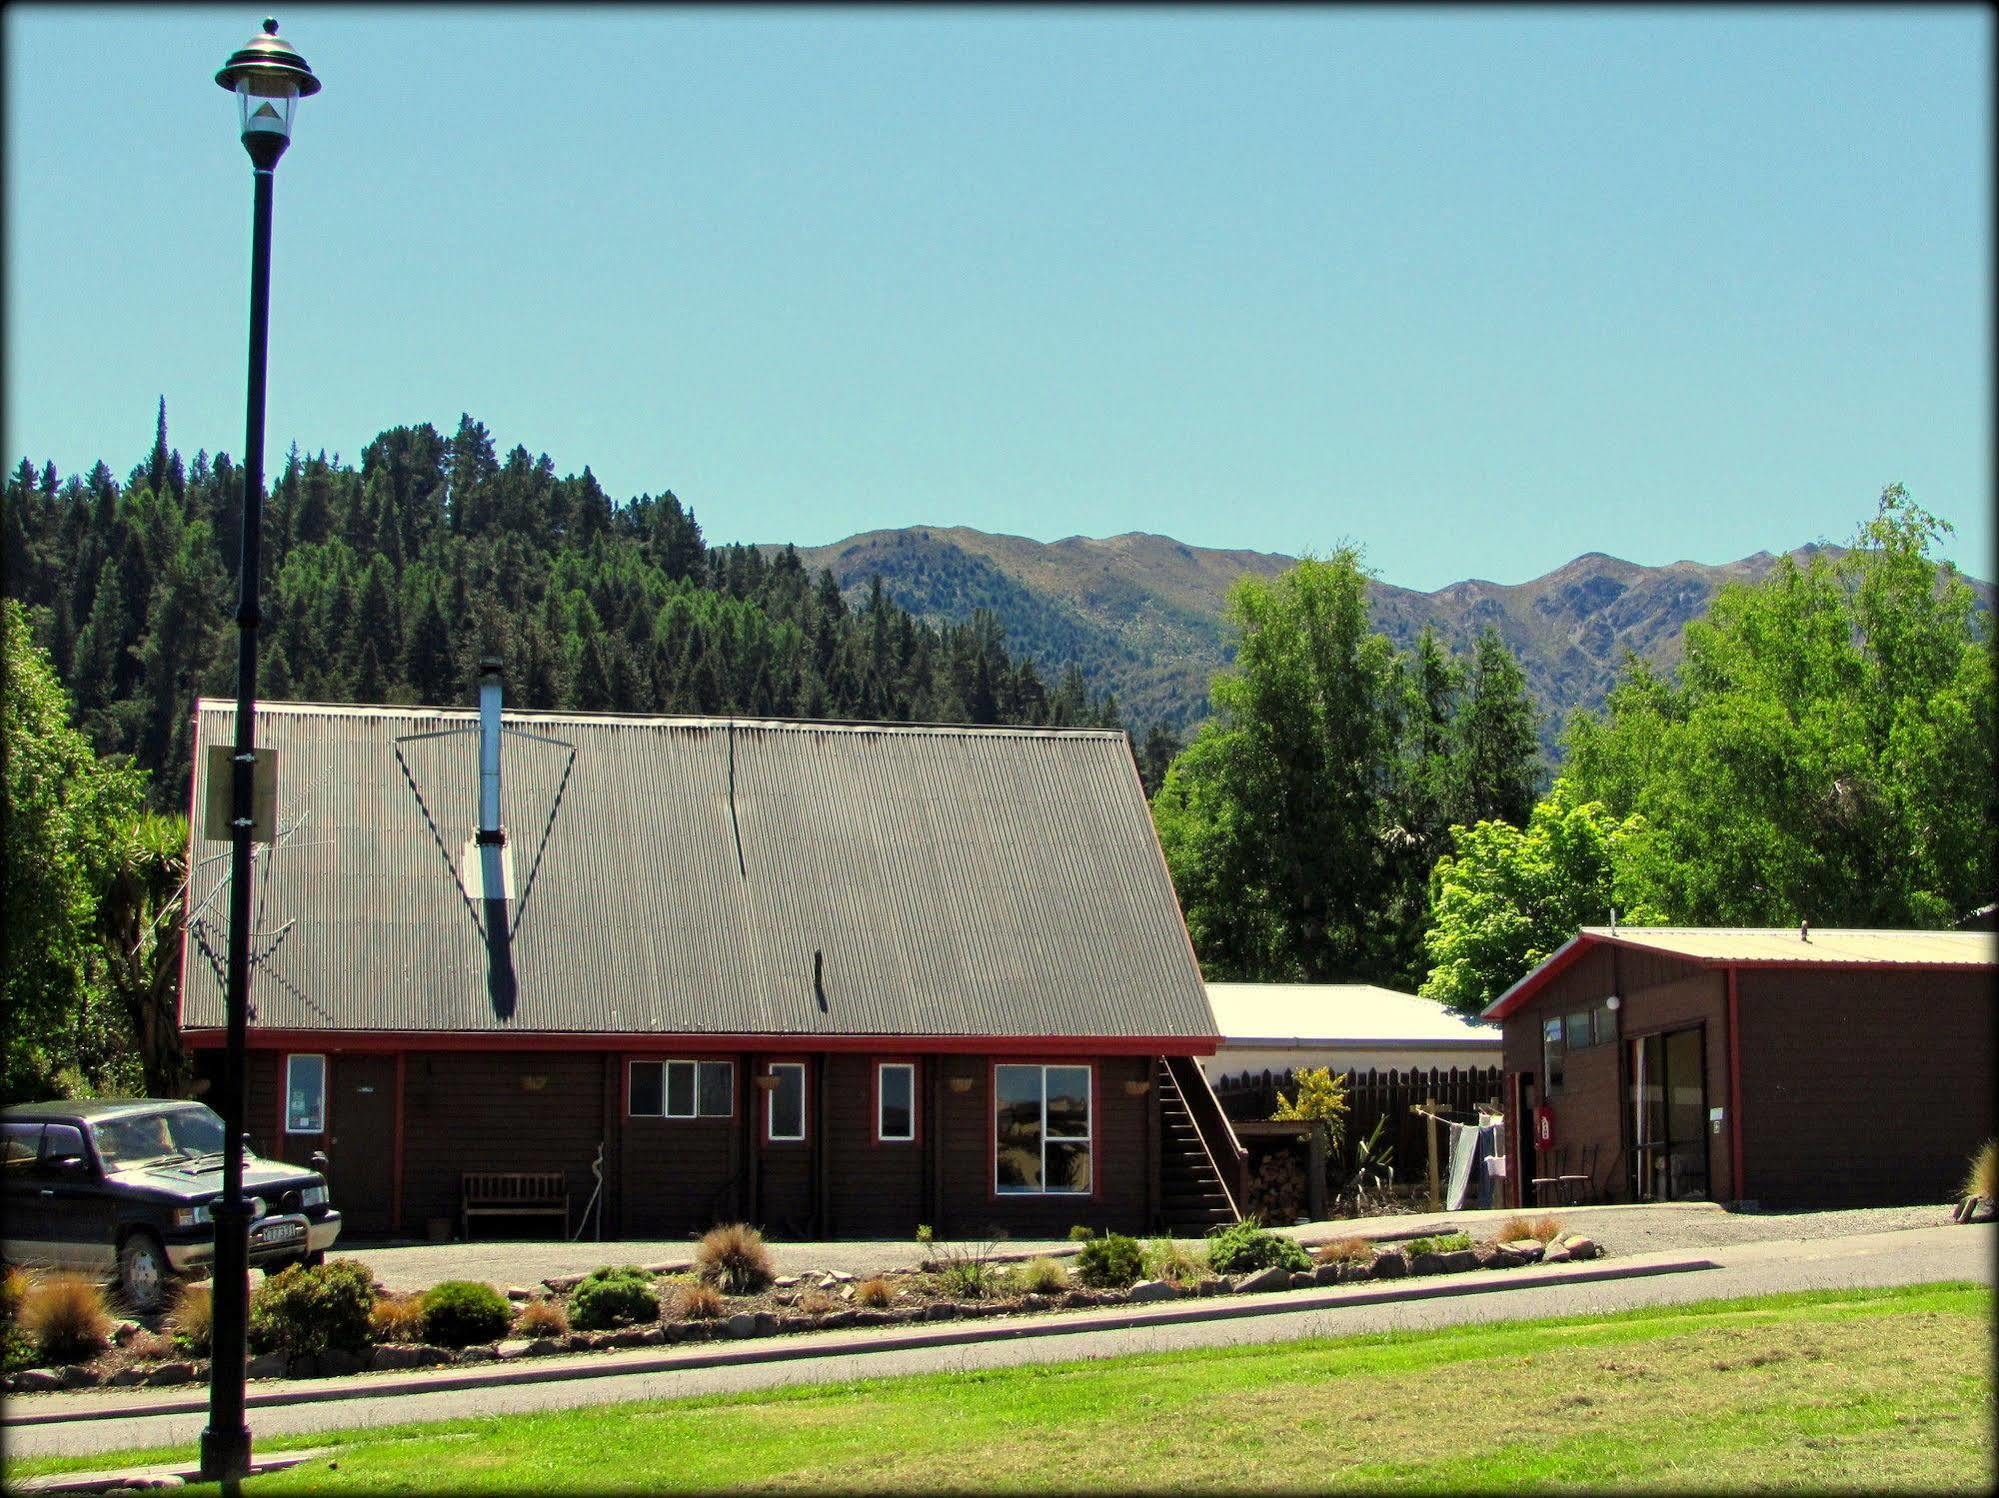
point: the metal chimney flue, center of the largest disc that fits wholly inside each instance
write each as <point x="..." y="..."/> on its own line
<point x="491" y="833"/>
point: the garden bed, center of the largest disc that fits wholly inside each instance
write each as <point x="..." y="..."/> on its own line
<point x="341" y="1323"/>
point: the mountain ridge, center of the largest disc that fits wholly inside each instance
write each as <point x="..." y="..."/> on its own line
<point x="1141" y="614"/>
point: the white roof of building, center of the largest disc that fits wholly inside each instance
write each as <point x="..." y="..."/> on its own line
<point x="1339" y="1014"/>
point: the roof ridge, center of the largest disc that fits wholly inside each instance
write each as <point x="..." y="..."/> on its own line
<point x="718" y="720"/>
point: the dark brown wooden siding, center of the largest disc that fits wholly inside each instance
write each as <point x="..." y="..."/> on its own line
<point x="675" y="1178"/>
<point x="468" y="1110"/>
<point x="971" y="1208"/>
<point x="875" y="1190"/>
<point x="1658" y="993"/>
<point x="1863" y="1088"/>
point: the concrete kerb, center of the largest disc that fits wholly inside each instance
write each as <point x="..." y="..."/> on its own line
<point x="170" y="1475"/>
<point x="844" y="1343"/>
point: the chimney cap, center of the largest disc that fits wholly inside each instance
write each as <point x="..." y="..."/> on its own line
<point x="489" y="665"/>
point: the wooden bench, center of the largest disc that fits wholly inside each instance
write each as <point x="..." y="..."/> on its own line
<point x="512" y="1193"/>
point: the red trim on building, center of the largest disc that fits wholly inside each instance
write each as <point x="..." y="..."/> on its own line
<point x="663" y="1047"/>
<point x="1734" y="1094"/>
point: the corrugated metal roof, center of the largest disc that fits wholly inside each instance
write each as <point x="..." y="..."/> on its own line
<point x="958" y="881"/>
<point x="1726" y="946"/>
<point x="1338" y="1014"/>
<point x="1824" y="948"/>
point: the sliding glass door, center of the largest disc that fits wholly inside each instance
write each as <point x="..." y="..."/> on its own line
<point x="1668" y="1117"/>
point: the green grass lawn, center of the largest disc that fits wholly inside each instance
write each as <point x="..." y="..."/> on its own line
<point x="1861" y="1390"/>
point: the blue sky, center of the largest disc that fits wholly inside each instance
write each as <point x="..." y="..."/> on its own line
<point x="1479" y="290"/>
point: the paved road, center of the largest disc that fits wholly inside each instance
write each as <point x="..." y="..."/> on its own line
<point x="1623" y="1229"/>
<point x="1908" y="1256"/>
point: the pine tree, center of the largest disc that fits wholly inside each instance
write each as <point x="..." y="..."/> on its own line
<point x="1499" y="757"/>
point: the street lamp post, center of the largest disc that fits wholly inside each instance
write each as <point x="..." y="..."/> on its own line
<point x="268" y="78"/>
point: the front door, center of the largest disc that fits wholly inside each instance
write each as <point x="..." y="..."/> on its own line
<point x="361" y="1142"/>
<point x="1668" y="1117"/>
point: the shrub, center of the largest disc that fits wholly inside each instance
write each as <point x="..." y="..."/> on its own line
<point x="13" y="1291"/>
<point x="874" y="1293"/>
<point x="1243" y="1247"/>
<point x="1345" y="1251"/>
<point x="1080" y="1233"/>
<point x="303" y="1311"/>
<point x="65" y="1318"/>
<point x="1175" y="1262"/>
<point x="542" y="1318"/>
<point x="733" y="1259"/>
<point x="459" y="1313"/>
<point x="925" y="1234"/>
<point x="697" y="1301"/>
<point x="1040" y="1277"/>
<point x="1321" y="1099"/>
<point x="967" y="1273"/>
<point x="190" y="1319"/>
<point x="1110" y="1262"/>
<point x="1440" y="1243"/>
<point x="1983" y="1178"/>
<point x="615" y="1295"/>
<point x="398" y="1318"/>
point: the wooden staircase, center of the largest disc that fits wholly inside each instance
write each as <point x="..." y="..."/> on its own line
<point x="1202" y="1169"/>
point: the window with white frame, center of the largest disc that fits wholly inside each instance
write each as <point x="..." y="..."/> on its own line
<point x="1041" y="1140"/>
<point x="895" y="1102"/>
<point x="305" y="1094"/>
<point x="784" y="1118"/>
<point x="683" y="1089"/>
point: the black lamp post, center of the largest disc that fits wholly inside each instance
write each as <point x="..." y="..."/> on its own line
<point x="268" y="78"/>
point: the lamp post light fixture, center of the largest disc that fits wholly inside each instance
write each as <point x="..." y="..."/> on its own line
<point x="268" y="78"/>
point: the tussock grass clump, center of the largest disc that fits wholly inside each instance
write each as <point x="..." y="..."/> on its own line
<point x="1350" y="1250"/>
<point x="1983" y="1178"/>
<point x="151" y="1347"/>
<point x="697" y="1301"/>
<point x="1546" y="1227"/>
<point x="14" y="1292"/>
<point x="1040" y="1277"/>
<point x="65" y="1317"/>
<point x="967" y="1273"/>
<point x="874" y="1293"/>
<point x="734" y="1259"/>
<point x="815" y="1303"/>
<point x="542" y="1318"/>
<point x="1176" y="1263"/>
<point x="397" y="1318"/>
<point x="191" y="1318"/>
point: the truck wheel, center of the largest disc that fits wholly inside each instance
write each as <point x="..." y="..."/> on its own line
<point x="144" y="1275"/>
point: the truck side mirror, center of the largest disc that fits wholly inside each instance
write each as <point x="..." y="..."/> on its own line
<point x="318" y="1161"/>
<point x="70" y="1166"/>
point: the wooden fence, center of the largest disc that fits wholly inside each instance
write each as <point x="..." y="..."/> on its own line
<point x="1372" y="1094"/>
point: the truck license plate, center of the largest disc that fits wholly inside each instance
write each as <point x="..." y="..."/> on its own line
<point x="278" y="1232"/>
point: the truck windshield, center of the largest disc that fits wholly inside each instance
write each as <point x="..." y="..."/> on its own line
<point x="187" y="1131"/>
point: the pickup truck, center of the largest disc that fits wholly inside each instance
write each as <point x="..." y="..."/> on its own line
<point x="125" y="1189"/>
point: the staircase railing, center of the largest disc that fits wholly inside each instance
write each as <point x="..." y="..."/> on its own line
<point x="1211" y="1126"/>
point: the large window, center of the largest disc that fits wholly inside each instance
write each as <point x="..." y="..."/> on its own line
<point x="1578" y="1030"/>
<point x="785" y="1116"/>
<point x="895" y="1102"/>
<point x="1042" y="1130"/>
<point x="683" y="1089"/>
<point x="305" y="1094"/>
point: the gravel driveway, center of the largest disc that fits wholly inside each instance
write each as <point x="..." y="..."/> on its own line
<point x="1620" y="1230"/>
